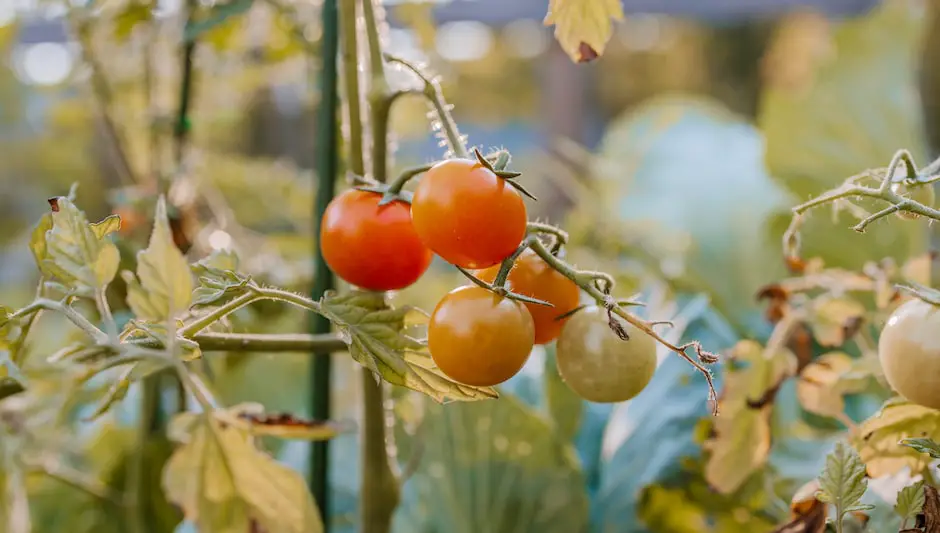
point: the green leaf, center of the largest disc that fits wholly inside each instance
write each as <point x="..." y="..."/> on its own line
<point x="878" y="438"/>
<point x="377" y="340"/>
<point x="107" y="226"/>
<point x="225" y="484"/>
<point x="494" y="467"/>
<point x="218" y="279"/>
<point x="910" y="501"/>
<point x="74" y="253"/>
<point x="668" y="511"/>
<point x="218" y="15"/>
<point x="581" y="24"/>
<point x="742" y="432"/>
<point x="923" y="445"/>
<point x="843" y="481"/>
<point x="166" y="284"/>
<point x="37" y="242"/>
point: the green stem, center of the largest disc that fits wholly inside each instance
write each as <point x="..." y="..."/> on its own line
<point x="350" y="56"/>
<point x="435" y="96"/>
<point x="499" y="282"/>
<point x="327" y="170"/>
<point x="376" y="63"/>
<point x="136" y="481"/>
<point x="217" y="314"/>
<point x="101" y="301"/>
<point x="55" y="469"/>
<point x="407" y="175"/>
<point x="74" y="316"/>
<point x="322" y="344"/>
<point x="182" y="126"/>
<point x="586" y="281"/>
<point x="380" y="491"/>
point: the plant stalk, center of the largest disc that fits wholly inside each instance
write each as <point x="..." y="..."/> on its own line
<point x="327" y="170"/>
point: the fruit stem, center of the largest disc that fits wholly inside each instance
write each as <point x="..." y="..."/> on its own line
<point x="586" y="280"/>
<point x="398" y="184"/>
<point x="499" y="282"/>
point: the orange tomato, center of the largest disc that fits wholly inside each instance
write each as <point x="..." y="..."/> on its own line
<point x="479" y="338"/>
<point x="531" y="276"/>
<point x="467" y="214"/>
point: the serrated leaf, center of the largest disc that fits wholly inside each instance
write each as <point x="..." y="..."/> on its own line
<point x="74" y="253"/>
<point x="824" y="382"/>
<point x="878" y="438"/>
<point x="843" y="481"/>
<point x="583" y="27"/>
<point x="225" y="484"/>
<point x="115" y="393"/>
<point x="376" y="338"/>
<point x="107" y="226"/>
<point x="910" y="501"/>
<point x="923" y="445"/>
<point x="742" y="430"/>
<point x="218" y="279"/>
<point x="834" y="319"/>
<point x="165" y="283"/>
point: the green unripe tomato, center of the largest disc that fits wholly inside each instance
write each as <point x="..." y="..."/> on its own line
<point x="909" y="351"/>
<point x="597" y="364"/>
<point x="923" y="194"/>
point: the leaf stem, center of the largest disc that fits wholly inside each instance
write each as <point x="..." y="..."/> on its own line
<point x="217" y="314"/>
<point x="55" y="469"/>
<point x="321" y="344"/>
<point x="74" y="316"/>
<point x="104" y="309"/>
<point x="585" y="280"/>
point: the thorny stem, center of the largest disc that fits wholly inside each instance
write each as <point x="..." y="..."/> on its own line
<point x="350" y="56"/>
<point x="432" y="91"/>
<point x="586" y="280"/>
<point x="851" y="189"/>
<point x="74" y="316"/>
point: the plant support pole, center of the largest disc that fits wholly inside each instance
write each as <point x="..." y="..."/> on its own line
<point x="327" y="169"/>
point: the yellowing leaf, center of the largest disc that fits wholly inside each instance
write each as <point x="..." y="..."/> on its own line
<point x="825" y="381"/>
<point x="165" y="283"/>
<point x="878" y="438"/>
<point x="583" y="27"/>
<point x="107" y="226"/>
<point x="286" y="425"/>
<point x="742" y="429"/>
<point x="377" y="340"/>
<point x="73" y="252"/>
<point x="835" y="319"/>
<point x="225" y="484"/>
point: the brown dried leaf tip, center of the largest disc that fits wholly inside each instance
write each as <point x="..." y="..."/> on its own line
<point x="54" y="203"/>
<point x="586" y="53"/>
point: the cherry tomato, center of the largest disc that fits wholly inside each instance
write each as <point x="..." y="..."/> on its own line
<point x="467" y="214"/>
<point x="370" y="246"/>
<point x="600" y="366"/>
<point x="480" y="338"/>
<point x="909" y="350"/>
<point x="531" y="276"/>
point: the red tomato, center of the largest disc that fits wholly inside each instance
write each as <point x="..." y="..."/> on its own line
<point x="467" y="214"/>
<point x="479" y="338"/>
<point x="370" y="246"/>
<point x="531" y="276"/>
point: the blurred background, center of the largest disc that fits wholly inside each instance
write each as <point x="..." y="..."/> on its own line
<point x="673" y="159"/>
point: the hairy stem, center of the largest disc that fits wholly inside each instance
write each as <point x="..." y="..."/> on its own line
<point x="380" y="491"/>
<point x="254" y="342"/>
<point x="70" y="313"/>
<point x="350" y="57"/>
<point x="586" y="280"/>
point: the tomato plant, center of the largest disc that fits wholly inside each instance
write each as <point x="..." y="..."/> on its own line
<point x="531" y="276"/>
<point x="480" y="338"/>
<point x="467" y="214"/>
<point x="372" y="246"/>
<point x="598" y="364"/>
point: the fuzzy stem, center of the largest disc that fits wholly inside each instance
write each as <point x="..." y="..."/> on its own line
<point x="350" y="57"/>
<point x="380" y="491"/>
<point x="74" y="316"/>
<point x="250" y="342"/>
<point x="585" y="280"/>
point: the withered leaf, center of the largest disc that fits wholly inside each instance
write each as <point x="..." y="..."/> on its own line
<point x="807" y="514"/>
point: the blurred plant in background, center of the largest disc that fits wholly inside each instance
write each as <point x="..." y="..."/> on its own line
<point x="673" y="162"/>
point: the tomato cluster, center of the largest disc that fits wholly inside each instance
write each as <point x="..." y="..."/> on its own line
<point x="469" y="214"/>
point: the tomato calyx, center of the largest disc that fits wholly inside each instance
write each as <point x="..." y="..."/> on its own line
<point x="502" y="159"/>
